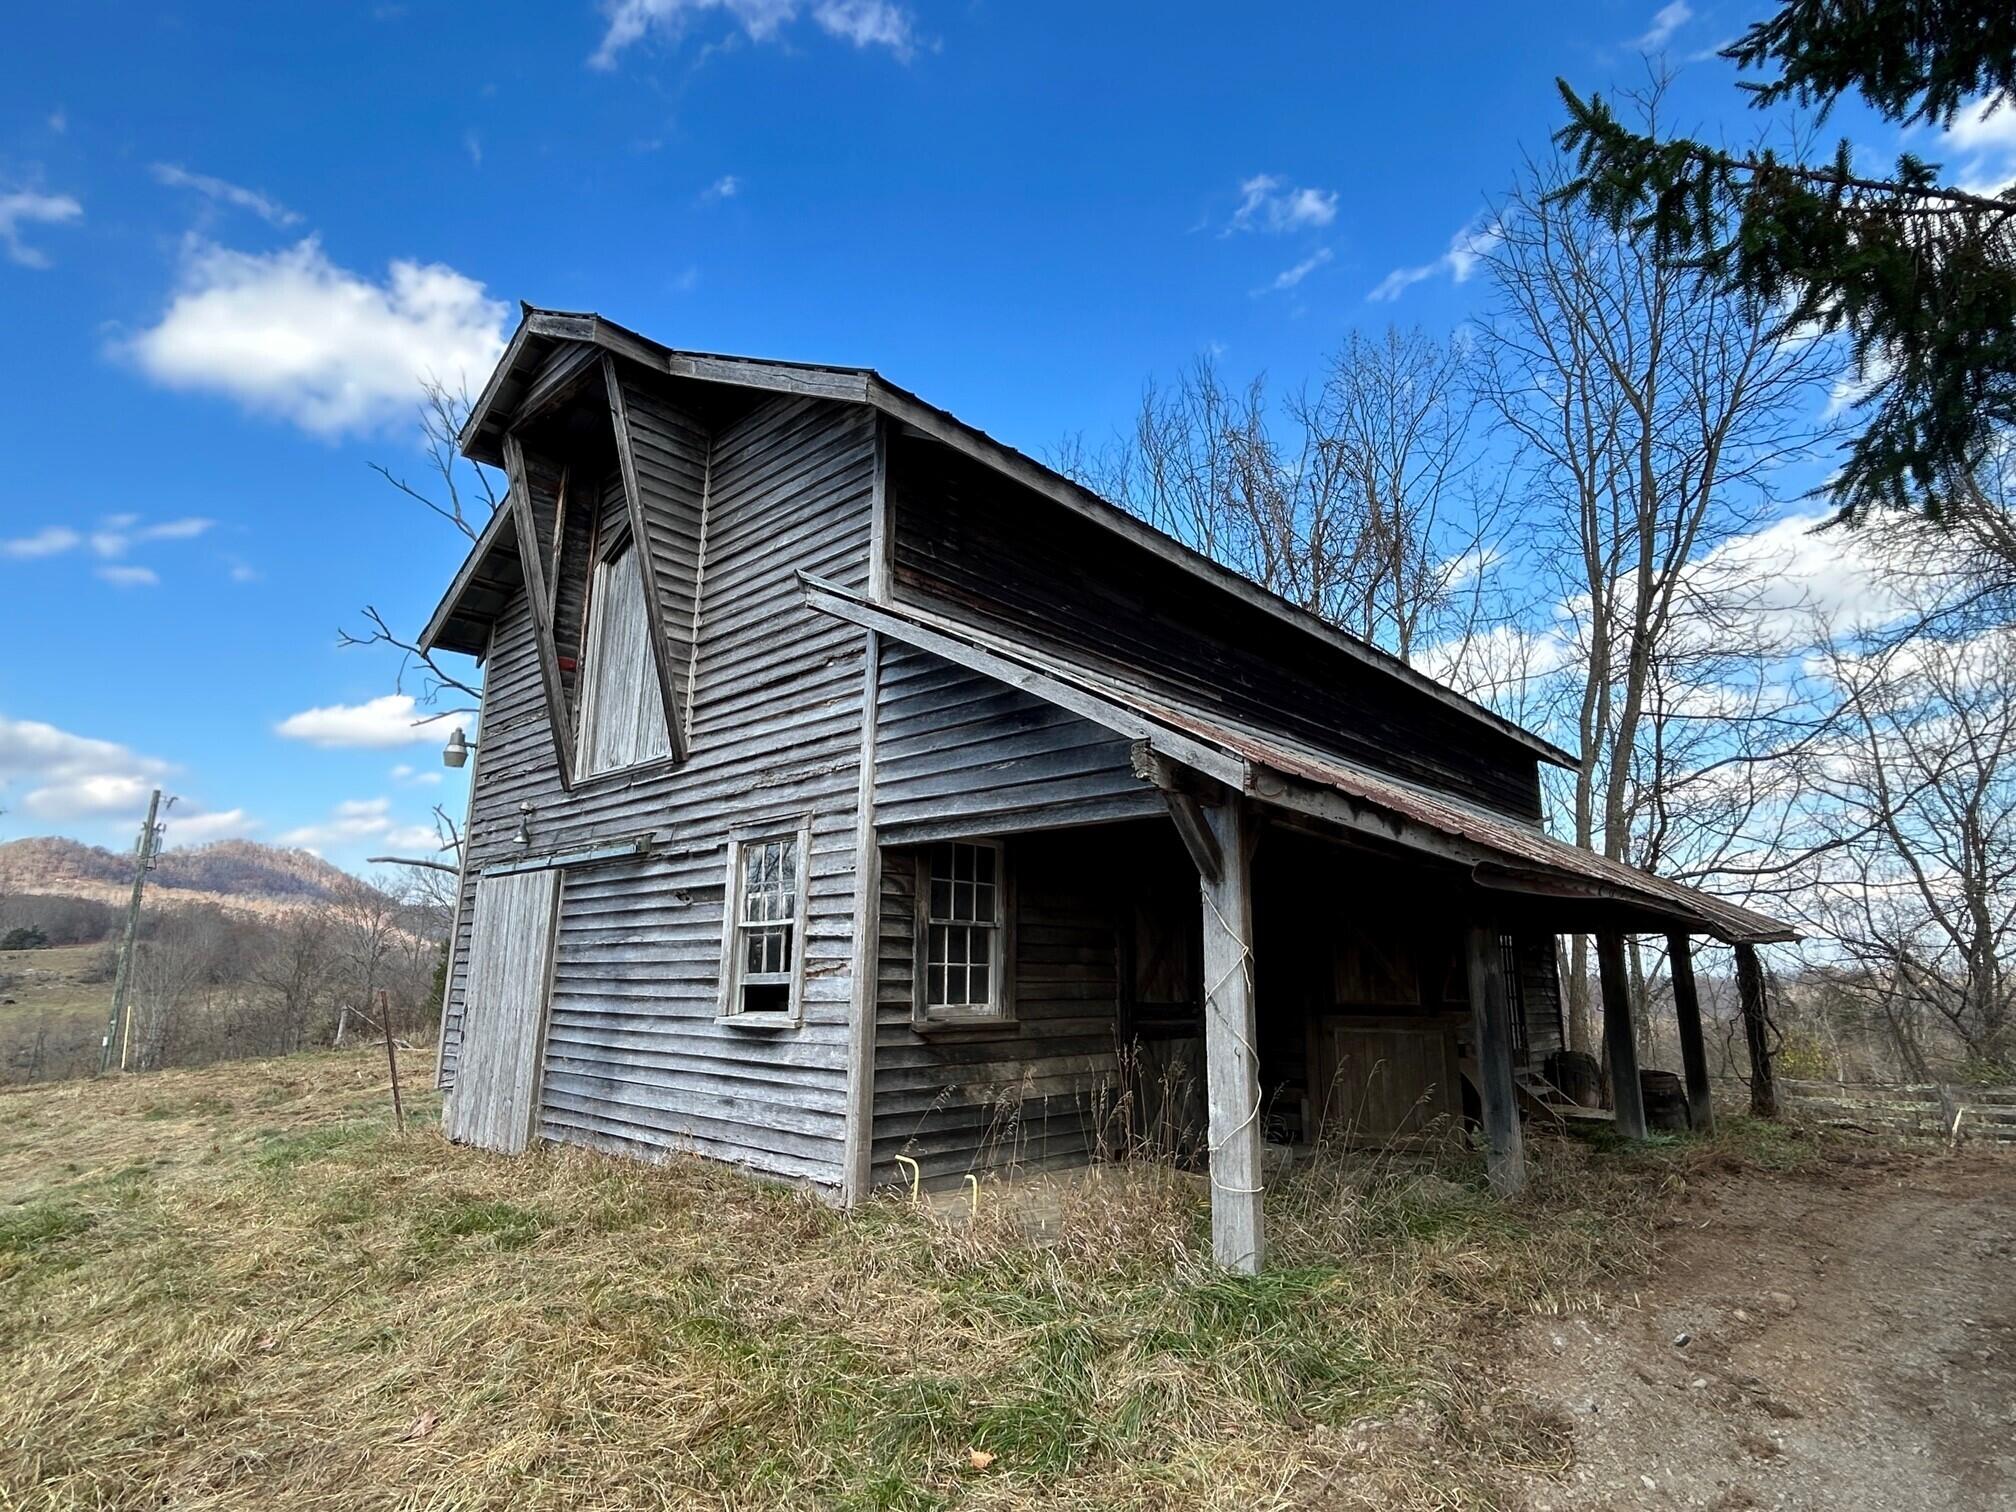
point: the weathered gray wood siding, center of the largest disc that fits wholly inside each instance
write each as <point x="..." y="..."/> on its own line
<point x="968" y="538"/>
<point x="956" y="749"/>
<point x="1029" y="1094"/>
<point x="635" y="1058"/>
<point x="671" y="451"/>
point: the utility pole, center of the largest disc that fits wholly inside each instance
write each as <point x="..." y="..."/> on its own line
<point x="144" y="852"/>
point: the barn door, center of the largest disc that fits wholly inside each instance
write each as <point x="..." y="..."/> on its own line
<point x="495" y="1103"/>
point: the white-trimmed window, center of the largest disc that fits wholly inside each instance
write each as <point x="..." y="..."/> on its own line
<point x="963" y="956"/>
<point x="763" y="970"/>
<point x="622" y="703"/>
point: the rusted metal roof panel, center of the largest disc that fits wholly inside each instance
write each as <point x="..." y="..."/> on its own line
<point x="1501" y="852"/>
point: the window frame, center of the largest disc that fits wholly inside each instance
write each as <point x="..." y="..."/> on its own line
<point x="1001" y="958"/>
<point x="728" y="1008"/>
<point x="605" y="556"/>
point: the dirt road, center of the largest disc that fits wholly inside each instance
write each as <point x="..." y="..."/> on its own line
<point x="1838" y="1340"/>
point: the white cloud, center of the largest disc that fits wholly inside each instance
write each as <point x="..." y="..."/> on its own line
<point x="378" y="725"/>
<point x="220" y="191"/>
<point x="1984" y="133"/>
<point x="27" y="207"/>
<point x="473" y="145"/>
<point x="411" y="776"/>
<point x="725" y="187"/>
<point x="1266" y="203"/>
<point x="243" y="572"/>
<point x="114" y="537"/>
<point x="73" y="776"/>
<point x="199" y="828"/>
<point x="865" y="23"/>
<point x="127" y="576"/>
<point x="352" y="820"/>
<point x="1287" y="278"/>
<point x="119" y="533"/>
<point x="50" y="540"/>
<point x="1668" y="20"/>
<point x="1467" y="248"/>
<point x="423" y="838"/>
<point x="292" y="334"/>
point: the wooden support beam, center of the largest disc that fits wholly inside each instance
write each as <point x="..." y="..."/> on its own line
<point x="1231" y="1045"/>
<point x="1757" y="1033"/>
<point x="1693" y="1049"/>
<point x="1505" y="1142"/>
<point x="1184" y="810"/>
<point x="542" y="608"/>
<point x="1619" y="1037"/>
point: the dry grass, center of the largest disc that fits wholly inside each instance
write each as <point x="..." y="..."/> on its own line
<point x="235" y="1287"/>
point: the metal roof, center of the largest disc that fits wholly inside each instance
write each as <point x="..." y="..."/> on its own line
<point x="1500" y="852"/>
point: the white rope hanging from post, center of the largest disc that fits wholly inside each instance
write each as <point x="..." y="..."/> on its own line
<point x="1242" y="964"/>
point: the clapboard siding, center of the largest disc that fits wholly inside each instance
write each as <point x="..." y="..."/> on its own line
<point x="634" y="1057"/>
<point x="966" y="538"/>
<point x="1028" y="1094"/>
<point x="952" y="744"/>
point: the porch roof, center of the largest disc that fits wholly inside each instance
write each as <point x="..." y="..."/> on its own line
<point x="1500" y="852"/>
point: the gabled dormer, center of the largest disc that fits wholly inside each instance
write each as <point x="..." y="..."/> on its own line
<point x="606" y="525"/>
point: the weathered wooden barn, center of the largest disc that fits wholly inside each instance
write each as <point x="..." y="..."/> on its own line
<point x="850" y="789"/>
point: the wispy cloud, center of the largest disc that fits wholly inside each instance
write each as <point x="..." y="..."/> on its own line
<point x="725" y="187"/>
<point x="112" y="539"/>
<point x="292" y="334"/>
<point x="1287" y="278"/>
<point x="473" y="145"/>
<point x="1668" y="20"/>
<point x="126" y="575"/>
<point x="867" y="23"/>
<point x="1467" y="248"/>
<point x="864" y="23"/>
<point x="1269" y="203"/>
<point x="29" y="207"/>
<point x="360" y="819"/>
<point x="50" y="540"/>
<point x="222" y="192"/>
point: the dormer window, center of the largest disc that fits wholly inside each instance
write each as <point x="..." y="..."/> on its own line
<point x="622" y="705"/>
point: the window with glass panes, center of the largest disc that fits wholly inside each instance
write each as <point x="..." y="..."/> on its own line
<point x="766" y="922"/>
<point x="962" y="929"/>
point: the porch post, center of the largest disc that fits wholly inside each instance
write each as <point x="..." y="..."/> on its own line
<point x="1693" y="1052"/>
<point x="1231" y="1054"/>
<point x="1505" y="1143"/>
<point x="1756" y="1032"/>
<point x="1626" y="1095"/>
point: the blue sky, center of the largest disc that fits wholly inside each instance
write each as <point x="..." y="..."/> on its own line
<point x="232" y="235"/>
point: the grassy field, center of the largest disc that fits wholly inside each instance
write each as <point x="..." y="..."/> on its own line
<point x="238" y="1287"/>
<point x="60" y="996"/>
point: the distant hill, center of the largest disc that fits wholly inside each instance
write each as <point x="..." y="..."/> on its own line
<point x="239" y="874"/>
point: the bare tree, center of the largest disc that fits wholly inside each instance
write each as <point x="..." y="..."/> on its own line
<point x="1652" y="411"/>
<point x="1353" y="500"/>
<point x="1913" y="881"/>
<point x="466" y="496"/>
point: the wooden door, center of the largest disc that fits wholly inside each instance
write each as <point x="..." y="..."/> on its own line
<point x="495" y="1102"/>
<point x="1390" y="1081"/>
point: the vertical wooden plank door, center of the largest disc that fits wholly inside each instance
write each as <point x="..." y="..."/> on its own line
<point x="495" y="1103"/>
